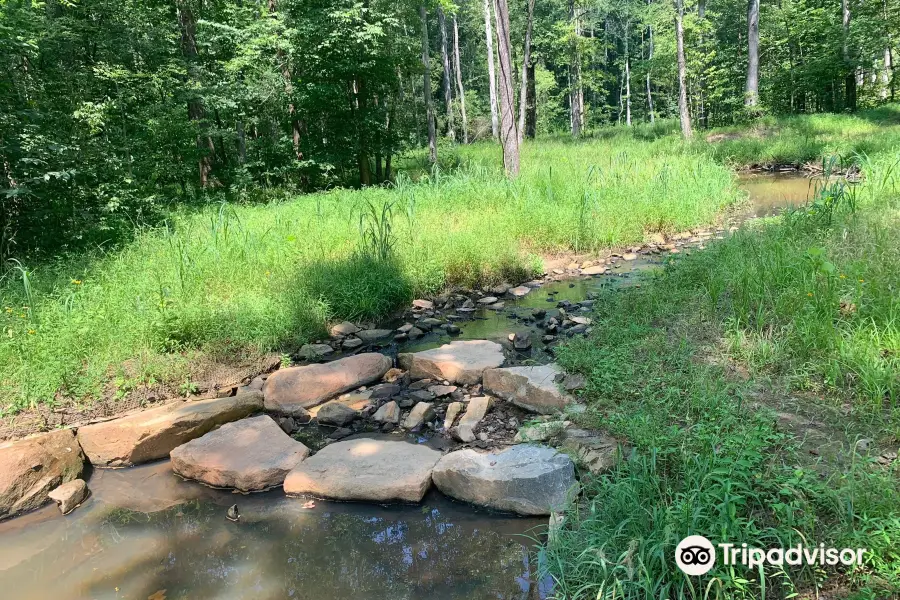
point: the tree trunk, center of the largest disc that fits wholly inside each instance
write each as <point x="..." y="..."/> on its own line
<point x="492" y="75"/>
<point x="205" y="147"/>
<point x="296" y="126"/>
<point x="576" y="95"/>
<point x="526" y="61"/>
<point x="850" y="71"/>
<point x="627" y="81"/>
<point x="704" y="111"/>
<point x="445" y="61"/>
<point x="751" y="90"/>
<point x="242" y="141"/>
<point x="650" y="58"/>
<point x="531" y="105"/>
<point x="460" y="91"/>
<point x="683" y="111"/>
<point x="509" y="137"/>
<point x="426" y="88"/>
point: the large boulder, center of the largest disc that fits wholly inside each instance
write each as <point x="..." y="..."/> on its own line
<point x="532" y="388"/>
<point x="296" y="388"/>
<point x="366" y="469"/>
<point x="250" y="455"/>
<point x="32" y="467"/>
<point x="460" y="362"/>
<point x="151" y="434"/>
<point x="526" y="479"/>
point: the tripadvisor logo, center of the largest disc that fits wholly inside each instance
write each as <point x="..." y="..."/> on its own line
<point x="696" y="555"/>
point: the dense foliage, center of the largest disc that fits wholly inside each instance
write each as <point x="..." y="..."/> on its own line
<point x="112" y="111"/>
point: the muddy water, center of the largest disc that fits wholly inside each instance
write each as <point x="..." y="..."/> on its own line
<point x="145" y="532"/>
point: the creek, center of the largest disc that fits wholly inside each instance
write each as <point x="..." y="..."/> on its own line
<point x="146" y="534"/>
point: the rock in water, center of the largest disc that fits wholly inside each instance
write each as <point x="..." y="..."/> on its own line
<point x="475" y="412"/>
<point x="344" y="328"/>
<point x="532" y="388"/>
<point x="526" y="479"/>
<point x="460" y="362"/>
<point x="337" y="414"/>
<point x="520" y="291"/>
<point x="453" y="410"/>
<point x="303" y="387"/>
<point x="151" y="434"/>
<point x="69" y="495"/>
<point x="233" y="514"/>
<point x="366" y="470"/>
<point x="31" y="467"/>
<point x="249" y="455"/>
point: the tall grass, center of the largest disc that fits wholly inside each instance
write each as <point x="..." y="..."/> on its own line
<point x="243" y="279"/>
<point x="812" y="297"/>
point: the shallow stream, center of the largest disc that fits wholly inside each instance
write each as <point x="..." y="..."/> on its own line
<point x="146" y="534"/>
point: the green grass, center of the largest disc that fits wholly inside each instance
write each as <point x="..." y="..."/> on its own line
<point x="236" y="280"/>
<point x="706" y="460"/>
<point x="799" y="140"/>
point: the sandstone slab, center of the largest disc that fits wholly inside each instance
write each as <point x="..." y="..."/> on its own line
<point x="526" y="479"/>
<point x="475" y="412"/>
<point x="366" y="470"/>
<point x="287" y="390"/>
<point x="69" y="495"/>
<point x="532" y="388"/>
<point x="150" y="435"/>
<point x="30" y="468"/>
<point x="249" y="455"/>
<point x="460" y="362"/>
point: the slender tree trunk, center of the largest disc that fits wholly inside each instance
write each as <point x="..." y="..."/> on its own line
<point x="576" y="95"/>
<point x="751" y="90"/>
<point x="509" y="137"/>
<point x="704" y="109"/>
<point x="205" y="147"/>
<point x="887" y="72"/>
<point x="296" y="126"/>
<point x="683" y="110"/>
<point x="850" y="70"/>
<point x="531" y="105"/>
<point x="650" y="58"/>
<point x="445" y="61"/>
<point x="526" y="61"/>
<point x="492" y="75"/>
<point x="460" y="91"/>
<point x="426" y="88"/>
<point x="627" y="81"/>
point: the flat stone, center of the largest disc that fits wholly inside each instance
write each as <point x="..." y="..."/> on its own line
<point x="423" y="304"/>
<point x="520" y="291"/>
<point x="430" y="323"/>
<point x="388" y="413"/>
<point x="31" y="467"/>
<point x="487" y="300"/>
<point x="304" y="387"/>
<point x="385" y="391"/>
<point x="453" y="410"/>
<point x="367" y="470"/>
<point x="629" y="256"/>
<point x="525" y="479"/>
<point x="532" y="388"/>
<point x="374" y="335"/>
<point x="250" y="455"/>
<point x="336" y="414"/>
<point x="344" y="328"/>
<point x="69" y="495"/>
<point x="475" y="412"/>
<point x="152" y="434"/>
<point x="581" y="320"/>
<point x="574" y="382"/>
<point x="419" y="415"/>
<point x="440" y="391"/>
<point x="315" y="351"/>
<point x="415" y="333"/>
<point x="352" y="343"/>
<point x="595" y="270"/>
<point x="540" y="432"/>
<point x="459" y="362"/>
<point x="594" y="450"/>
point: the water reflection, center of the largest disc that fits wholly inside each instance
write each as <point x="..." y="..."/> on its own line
<point x="439" y="550"/>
